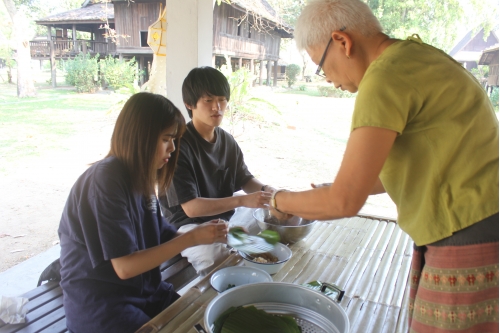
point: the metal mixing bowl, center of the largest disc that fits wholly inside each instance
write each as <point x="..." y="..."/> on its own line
<point x="290" y="231"/>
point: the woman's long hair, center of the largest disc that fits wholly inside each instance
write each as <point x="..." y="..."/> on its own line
<point x="136" y="135"/>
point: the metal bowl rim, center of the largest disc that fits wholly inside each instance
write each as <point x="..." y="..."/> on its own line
<point x="288" y="226"/>
<point x="241" y="268"/>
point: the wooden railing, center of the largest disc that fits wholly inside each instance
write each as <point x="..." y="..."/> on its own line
<point x="70" y="48"/>
<point x="226" y="42"/>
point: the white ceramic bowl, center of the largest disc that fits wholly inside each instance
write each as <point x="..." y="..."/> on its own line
<point x="226" y="277"/>
<point x="281" y="251"/>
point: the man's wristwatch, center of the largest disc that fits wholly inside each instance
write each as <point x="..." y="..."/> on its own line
<point x="273" y="200"/>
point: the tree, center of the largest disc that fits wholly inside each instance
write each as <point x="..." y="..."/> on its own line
<point x="291" y="72"/>
<point x="25" y="84"/>
<point x="436" y="21"/>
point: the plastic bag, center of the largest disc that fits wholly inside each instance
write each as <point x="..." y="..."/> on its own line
<point x="12" y="309"/>
<point x="204" y="258"/>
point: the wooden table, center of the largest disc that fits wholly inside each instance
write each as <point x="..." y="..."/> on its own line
<point x="369" y="257"/>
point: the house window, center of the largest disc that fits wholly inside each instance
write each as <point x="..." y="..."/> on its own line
<point x="144" y="39"/>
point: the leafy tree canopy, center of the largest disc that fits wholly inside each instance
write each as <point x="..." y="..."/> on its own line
<point x="436" y="21"/>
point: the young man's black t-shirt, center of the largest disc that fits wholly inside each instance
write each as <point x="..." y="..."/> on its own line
<point x="205" y="170"/>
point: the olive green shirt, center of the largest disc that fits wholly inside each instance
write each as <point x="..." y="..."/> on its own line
<point x="442" y="171"/>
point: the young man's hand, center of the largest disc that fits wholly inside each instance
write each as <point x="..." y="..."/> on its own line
<point x="257" y="199"/>
<point x="214" y="231"/>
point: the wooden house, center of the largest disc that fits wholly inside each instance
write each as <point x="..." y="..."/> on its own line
<point x="248" y="32"/>
<point x="489" y="57"/>
<point x="90" y="18"/>
<point x="468" y="50"/>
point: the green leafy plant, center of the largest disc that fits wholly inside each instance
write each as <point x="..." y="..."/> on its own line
<point x="494" y="98"/>
<point x="481" y="74"/>
<point x="292" y="71"/>
<point x="82" y="72"/>
<point x="331" y="91"/>
<point x="118" y="73"/>
<point x="242" y="105"/>
<point x="302" y="87"/>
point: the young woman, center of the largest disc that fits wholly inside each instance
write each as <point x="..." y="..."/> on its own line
<point x="424" y="130"/>
<point x="113" y="236"/>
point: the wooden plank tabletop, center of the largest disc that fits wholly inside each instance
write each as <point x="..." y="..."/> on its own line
<point x="368" y="257"/>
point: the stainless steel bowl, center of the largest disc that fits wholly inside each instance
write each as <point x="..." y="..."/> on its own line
<point x="290" y="231"/>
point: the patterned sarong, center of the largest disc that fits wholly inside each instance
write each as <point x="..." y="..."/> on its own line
<point x="454" y="289"/>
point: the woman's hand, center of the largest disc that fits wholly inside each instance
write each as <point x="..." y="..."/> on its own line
<point x="214" y="231"/>
<point x="320" y="185"/>
<point x="257" y="199"/>
<point x="280" y="216"/>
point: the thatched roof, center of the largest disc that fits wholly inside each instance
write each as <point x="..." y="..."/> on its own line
<point x="90" y="13"/>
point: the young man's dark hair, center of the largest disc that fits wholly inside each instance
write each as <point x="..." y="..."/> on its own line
<point x="204" y="81"/>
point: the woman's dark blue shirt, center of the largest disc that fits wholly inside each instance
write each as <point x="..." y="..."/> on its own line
<point x="104" y="219"/>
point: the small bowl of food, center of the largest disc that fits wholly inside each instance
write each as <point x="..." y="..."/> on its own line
<point x="291" y="231"/>
<point x="229" y="277"/>
<point x="271" y="261"/>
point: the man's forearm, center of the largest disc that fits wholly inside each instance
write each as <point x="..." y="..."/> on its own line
<point x="210" y="206"/>
<point x="253" y="185"/>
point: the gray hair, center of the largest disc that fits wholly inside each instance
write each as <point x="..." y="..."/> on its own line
<point x="320" y="18"/>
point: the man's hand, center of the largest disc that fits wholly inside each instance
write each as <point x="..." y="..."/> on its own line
<point x="214" y="231"/>
<point x="257" y="199"/>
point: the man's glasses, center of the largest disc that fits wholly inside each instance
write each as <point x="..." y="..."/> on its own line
<point x="320" y="71"/>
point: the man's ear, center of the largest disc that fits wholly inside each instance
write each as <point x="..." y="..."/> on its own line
<point x="344" y="39"/>
<point x="188" y="106"/>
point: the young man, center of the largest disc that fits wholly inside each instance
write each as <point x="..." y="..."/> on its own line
<point x="211" y="167"/>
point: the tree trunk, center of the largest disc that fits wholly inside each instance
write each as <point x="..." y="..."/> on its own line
<point x="25" y="85"/>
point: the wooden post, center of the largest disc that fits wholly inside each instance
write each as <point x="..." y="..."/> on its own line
<point x="261" y="74"/>
<point x="74" y="39"/>
<point x="275" y="82"/>
<point x="268" y="80"/>
<point x="213" y="60"/>
<point x="252" y="71"/>
<point x="141" y="70"/>
<point x="240" y="63"/>
<point x="52" y="58"/>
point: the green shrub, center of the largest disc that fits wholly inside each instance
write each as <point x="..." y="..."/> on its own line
<point x="331" y="91"/>
<point x="494" y="98"/>
<point x="82" y="72"/>
<point x="242" y="105"/>
<point x="302" y="87"/>
<point x="118" y="73"/>
<point x="291" y="72"/>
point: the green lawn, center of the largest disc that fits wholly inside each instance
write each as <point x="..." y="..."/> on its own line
<point x="31" y="127"/>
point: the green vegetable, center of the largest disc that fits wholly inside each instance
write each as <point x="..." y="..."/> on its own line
<point x="250" y="320"/>
<point x="270" y="236"/>
<point x="238" y="233"/>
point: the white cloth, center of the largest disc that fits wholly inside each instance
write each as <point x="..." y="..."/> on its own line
<point x="12" y="309"/>
<point x="204" y="258"/>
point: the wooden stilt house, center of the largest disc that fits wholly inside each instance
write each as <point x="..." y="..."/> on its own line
<point x="247" y="32"/>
